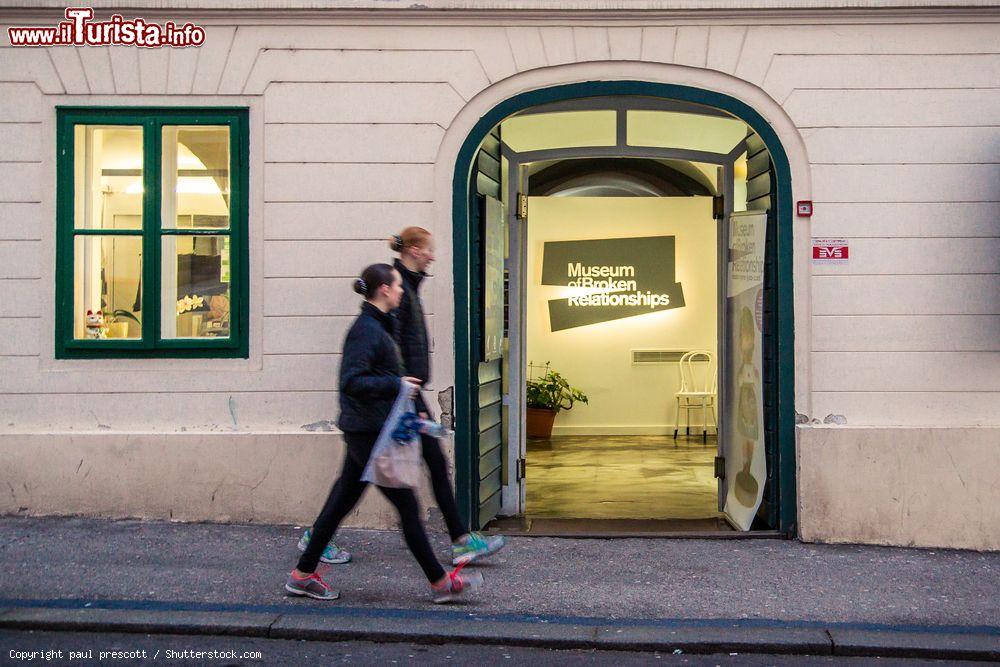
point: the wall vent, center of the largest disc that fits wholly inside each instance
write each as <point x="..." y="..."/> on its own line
<point x="646" y="357"/>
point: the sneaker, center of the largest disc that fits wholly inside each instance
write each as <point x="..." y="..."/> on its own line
<point x="476" y="547"/>
<point x="457" y="585"/>
<point x="312" y="586"/>
<point x="332" y="554"/>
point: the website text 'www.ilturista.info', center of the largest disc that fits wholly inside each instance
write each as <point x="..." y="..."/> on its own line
<point x="79" y="29"/>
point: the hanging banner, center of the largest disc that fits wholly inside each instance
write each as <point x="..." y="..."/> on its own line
<point x="623" y="278"/>
<point x="494" y="250"/>
<point x="743" y="434"/>
<point x="746" y="252"/>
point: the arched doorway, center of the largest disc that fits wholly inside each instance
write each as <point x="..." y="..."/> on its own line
<point x="479" y="471"/>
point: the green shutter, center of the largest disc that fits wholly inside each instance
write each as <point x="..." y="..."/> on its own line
<point x="760" y="195"/>
<point x="490" y="418"/>
<point x="486" y="418"/>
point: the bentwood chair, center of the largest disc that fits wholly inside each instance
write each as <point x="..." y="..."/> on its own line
<point x="698" y="391"/>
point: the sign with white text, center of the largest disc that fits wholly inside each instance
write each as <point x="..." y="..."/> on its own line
<point x="622" y="278"/>
<point x="830" y="251"/>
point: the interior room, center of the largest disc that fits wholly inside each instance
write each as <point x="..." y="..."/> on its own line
<point x="622" y="294"/>
<point x="614" y="457"/>
<point x="194" y="257"/>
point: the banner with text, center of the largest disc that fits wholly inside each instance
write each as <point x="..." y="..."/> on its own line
<point x="743" y="415"/>
<point x="622" y="278"/>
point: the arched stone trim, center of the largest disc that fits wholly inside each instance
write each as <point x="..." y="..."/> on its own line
<point x="454" y="164"/>
<point x="704" y="79"/>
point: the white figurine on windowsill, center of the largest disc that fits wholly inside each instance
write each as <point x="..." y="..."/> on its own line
<point x="96" y="328"/>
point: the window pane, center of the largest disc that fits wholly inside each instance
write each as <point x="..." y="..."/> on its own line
<point x="195" y="177"/>
<point x="107" y="271"/>
<point x="562" y="129"/>
<point x="740" y="184"/>
<point x="195" y="287"/>
<point x="672" y="129"/>
<point x="107" y="177"/>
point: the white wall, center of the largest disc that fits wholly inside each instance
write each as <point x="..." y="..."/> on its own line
<point x="624" y="398"/>
<point x="898" y="119"/>
<point x="889" y="120"/>
<point x="917" y="487"/>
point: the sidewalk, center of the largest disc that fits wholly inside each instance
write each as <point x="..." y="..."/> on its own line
<point x="702" y="595"/>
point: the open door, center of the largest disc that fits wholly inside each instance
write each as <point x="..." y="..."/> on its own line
<point x="749" y="286"/>
<point x="515" y="361"/>
<point x="479" y="484"/>
<point x="487" y="360"/>
<point x="490" y="423"/>
<point x="743" y="434"/>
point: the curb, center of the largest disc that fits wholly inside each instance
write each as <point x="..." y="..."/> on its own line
<point x="696" y="636"/>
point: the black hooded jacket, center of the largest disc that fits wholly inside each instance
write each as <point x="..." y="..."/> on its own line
<point x="370" y="372"/>
<point x="411" y="332"/>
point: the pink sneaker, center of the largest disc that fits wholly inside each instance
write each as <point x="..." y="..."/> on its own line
<point x="311" y="586"/>
<point x="458" y="584"/>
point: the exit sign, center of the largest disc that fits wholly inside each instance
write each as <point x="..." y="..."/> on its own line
<point x="830" y="251"/>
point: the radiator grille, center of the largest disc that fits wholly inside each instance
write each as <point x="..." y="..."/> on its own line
<point x="646" y="357"/>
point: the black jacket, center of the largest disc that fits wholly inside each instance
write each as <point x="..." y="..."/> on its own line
<point x="411" y="333"/>
<point x="370" y="372"/>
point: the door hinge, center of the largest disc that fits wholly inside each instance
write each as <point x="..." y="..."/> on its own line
<point x="522" y="206"/>
<point x="720" y="467"/>
<point x="718" y="207"/>
<point x="521" y="469"/>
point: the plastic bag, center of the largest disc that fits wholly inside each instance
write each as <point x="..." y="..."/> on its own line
<point x="395" y="460"/>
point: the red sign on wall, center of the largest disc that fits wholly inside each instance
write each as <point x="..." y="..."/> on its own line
<point x="830" y="251"/>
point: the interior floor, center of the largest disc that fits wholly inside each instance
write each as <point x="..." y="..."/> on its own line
<point x="601" y="528"/>
<point x="622" y="477"/>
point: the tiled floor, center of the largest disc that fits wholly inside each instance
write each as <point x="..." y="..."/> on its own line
<point x="621" y="477"/>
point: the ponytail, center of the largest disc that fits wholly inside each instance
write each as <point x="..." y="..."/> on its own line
<point x="372" y="278"/>
<point x="411" y="237"/>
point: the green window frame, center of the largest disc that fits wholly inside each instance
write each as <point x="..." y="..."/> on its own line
<point x="152" y="233"/>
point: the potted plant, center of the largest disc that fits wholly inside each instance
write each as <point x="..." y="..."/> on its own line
<point x="118" y="324"/>
<point x="546" y="396"/>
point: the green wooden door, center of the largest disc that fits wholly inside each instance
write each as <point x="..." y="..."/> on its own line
<point x="761" y="196"/>
<point x="486" y="414"/>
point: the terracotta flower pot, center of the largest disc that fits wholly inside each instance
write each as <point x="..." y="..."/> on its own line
<point x="540" y="422"/>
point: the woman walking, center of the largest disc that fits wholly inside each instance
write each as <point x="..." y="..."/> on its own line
<point x="415" y="246"/>
<point x="371" y="376"/>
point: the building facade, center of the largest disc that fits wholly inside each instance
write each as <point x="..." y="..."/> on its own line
<point x="345" y="122"/>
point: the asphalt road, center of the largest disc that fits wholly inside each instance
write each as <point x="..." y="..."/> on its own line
<point x="249" y="651"/>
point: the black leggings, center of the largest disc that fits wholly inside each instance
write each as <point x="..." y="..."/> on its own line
<point x="440" y="482"/>
<point x="345" y="495"/>
<point x="442" y="486"/>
